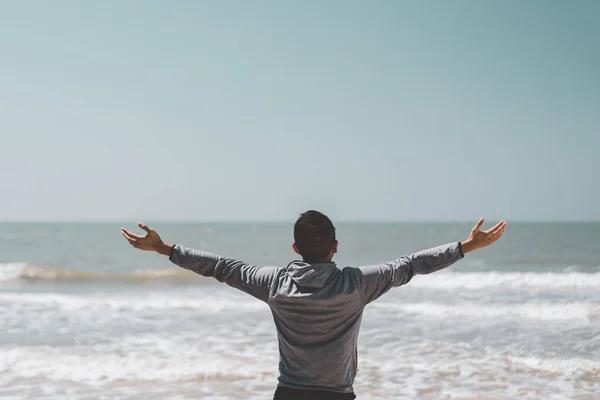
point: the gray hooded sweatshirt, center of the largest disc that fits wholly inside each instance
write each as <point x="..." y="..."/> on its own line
<point x="317" y="308"/>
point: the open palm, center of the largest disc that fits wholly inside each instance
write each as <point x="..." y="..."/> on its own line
<point x="479" y="239"/>
<point x="149" y="242"/>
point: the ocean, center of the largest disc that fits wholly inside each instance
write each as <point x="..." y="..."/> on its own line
<point x="83" y="315"/>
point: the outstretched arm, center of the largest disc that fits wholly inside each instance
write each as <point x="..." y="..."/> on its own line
<point x="375" y="280"/>
<point x="247" y="278"/>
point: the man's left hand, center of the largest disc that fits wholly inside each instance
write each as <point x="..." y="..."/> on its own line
<point x="149" y="242"/>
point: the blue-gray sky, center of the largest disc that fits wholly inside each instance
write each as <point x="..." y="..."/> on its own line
<point x="257" y="110"/>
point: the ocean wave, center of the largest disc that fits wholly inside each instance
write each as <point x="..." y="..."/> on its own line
<point x="516" y="280"/>
<point x="25" y="271"/>
<point x="205" y="303"/>
<point x="179" y="361"/>
<point x="448" y="280"/>
<point x="102" y="366"/>
<point x="34" y="302"/>
<point x="534" y="310"/>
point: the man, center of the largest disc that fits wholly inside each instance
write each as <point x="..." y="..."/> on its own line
<point x="317" y="308"/>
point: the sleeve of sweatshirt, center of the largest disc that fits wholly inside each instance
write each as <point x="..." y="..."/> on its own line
<point x="250" y="279"/>
<point x="375" y="280"/>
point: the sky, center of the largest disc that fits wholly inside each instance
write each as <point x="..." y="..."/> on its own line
<point x="258" y="110"/>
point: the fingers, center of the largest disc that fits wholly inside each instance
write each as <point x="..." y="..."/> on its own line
<point x="497" y="227"/>
<point x="478" y="225"/>
<point x="132" y="239"/>
<point x="496" y="234"/>
<point x="130" y="236"/>
<point x="134" y="244"/>
<point x="144" y="227"/>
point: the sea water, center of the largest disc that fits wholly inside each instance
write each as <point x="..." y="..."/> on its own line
<point x="83" y="315"/>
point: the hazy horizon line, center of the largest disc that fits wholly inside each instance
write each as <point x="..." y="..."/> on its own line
<point x="278" y="221"/>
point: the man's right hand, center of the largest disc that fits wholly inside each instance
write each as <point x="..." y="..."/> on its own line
<point x="480" y="239"/>
<point x="149" y="242"/>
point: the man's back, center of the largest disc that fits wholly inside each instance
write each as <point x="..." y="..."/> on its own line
<point x="317" y="310"/>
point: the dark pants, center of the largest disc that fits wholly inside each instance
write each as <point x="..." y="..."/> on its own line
<point x="285" y="393"/>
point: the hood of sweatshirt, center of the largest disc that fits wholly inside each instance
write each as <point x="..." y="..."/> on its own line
<point x="311" y="276"/>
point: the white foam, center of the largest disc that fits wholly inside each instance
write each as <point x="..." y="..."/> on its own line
<point x="11" y="271"/>
<point x="561" y="366"/>
<point x="466" y="370"/>
<point x="536" y="310"/>
<point x="397" y="367"/>
<point x="196" y="301"/>
<point x="101" y="366"/>
<point x="479" y="280"/>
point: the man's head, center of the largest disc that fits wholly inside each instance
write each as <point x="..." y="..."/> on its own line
<point x="314" y="237"/>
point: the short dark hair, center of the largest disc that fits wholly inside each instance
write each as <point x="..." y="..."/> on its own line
<point x="314" y="235"/>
